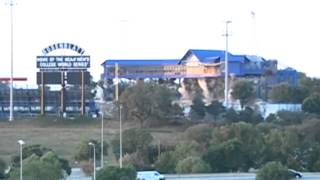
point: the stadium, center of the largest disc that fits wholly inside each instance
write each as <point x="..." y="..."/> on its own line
<point x="196" y="64"/>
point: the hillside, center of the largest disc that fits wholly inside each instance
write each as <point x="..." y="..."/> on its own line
<point x="64" y="136"/>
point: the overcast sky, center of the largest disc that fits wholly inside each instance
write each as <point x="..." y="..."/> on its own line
<point x="154" y="29"/>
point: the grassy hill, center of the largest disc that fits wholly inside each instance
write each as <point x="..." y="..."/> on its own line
<point x="64" y="135"/>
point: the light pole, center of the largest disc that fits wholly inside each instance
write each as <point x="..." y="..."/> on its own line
<point x="11" y="4"/>
<point x="120" y="107"/>
<point x="21" y="142"/>
<point x="102" y="136"/>
<point x="120" y="159"/>
<point x="226" y="69"/>
<point x="94" y="159"/>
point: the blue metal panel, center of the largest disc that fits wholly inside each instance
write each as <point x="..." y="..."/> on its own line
<point x="208" y="56"/>
<point x="239" y="65"/>
<point x="141" y="62"/>
<point x="288" y="75"/>
<point x="235" y="68"/>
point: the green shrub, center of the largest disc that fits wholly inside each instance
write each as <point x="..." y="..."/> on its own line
<point x="84" y="152"/>
<point x="34" y="167"/>
<point x="116" y="173"/>
<point x="136" y="159"/>
<point x="133" y="140"/>
<point x="200" y="133"/>
<point x="3" y="167"/>
<point x="166" y="162"/>
<point x="192" y="165"/>
<point x="273" y="170"/>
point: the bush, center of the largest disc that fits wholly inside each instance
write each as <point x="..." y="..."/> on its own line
<point x="192" y="165"/>
<point x="84" y="152"/>
<point x="186" y="149"/>
<point x="2" y="168"/>
<point x="35" y="167"/>
<point x="113" y="172"/>
<point x="273" y="170"/>
<point x="133" y="140"/>
<point x="312" y="104"/>
<point x="290" y="117"/>
<point x="138" y="160"/>
<point x="86" y="167"/>
<point x="40" y="151"/>
<point x="199" y="133"/>
<point x="166" y="162"/>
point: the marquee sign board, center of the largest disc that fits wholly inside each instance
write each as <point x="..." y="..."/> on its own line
<point x="63" y="62"/>
<point x="70" y="46"/>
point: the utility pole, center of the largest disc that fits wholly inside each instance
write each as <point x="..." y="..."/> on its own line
<point x="226" y="69"/>
<point x="11" y="4"/>
<point x="119" y="107"/>
<point x="102" y="141"/>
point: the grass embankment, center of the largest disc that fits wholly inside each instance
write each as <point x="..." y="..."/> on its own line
<point x="64" y="135"/>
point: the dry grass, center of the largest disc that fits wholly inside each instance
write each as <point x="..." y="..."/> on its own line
<point x="64" y="137"/>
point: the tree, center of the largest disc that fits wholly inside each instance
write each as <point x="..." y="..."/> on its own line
<point x="226" y="157"/>
<point x="138" y="160"/>
<point x="312" y="104"/>
<point x="244" y="91"/>
<point x="201" y="133"/>
<point x="39" y="151"/>
<point x="84" y="152"/>
<point x="246" y="115"/>
<point x="285" y="93"/>
<point x="313" y="157"/>
<point x="283" y="146"/>
<point x="3" y="167"/>
<point x="250" y="116"/>
<point x="115" y="172"/>
<point x="133" y="140"/>
<point x="215" y="109"/>
<point x="290" y="117"/>
<point x="149" y="103"/>
<point x="310" y="85"/>
<point x="166" y="162"/>
<point x="188" y="148"/>
<point x="198" y="110"/>
<point x="273" y="170"/>
<point x="192" y="164"/>
<point x="231" y="115"/>
<point x="35" y="167"/>
<point x="280" y="93"/>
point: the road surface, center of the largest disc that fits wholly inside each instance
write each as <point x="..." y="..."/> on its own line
<point x="77" y="174"/>
<point x="232" y="176"/>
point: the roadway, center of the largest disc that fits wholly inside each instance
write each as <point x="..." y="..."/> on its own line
<point x="231" y="176"/>
<point x="77" y="174"/>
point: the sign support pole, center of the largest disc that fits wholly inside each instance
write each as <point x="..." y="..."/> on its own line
<point x="42" y="94"/>
<point x="62" y="93"/>
<point x="82" y="93"/>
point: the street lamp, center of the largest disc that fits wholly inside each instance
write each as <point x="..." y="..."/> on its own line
<point x="226" y="69"/>
<point x="11" y="4"/>
<point x="21" y="142"/>
<point x="102" y="136"/>
<point x="120" y="107"/>
<point x="94" y="159"/>
<point x="120" y="159"/>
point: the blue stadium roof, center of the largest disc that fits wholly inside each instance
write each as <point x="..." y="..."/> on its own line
<point x="144" y="62"/>
<point x="204" y="56"/>
<point x="207" y="56"/>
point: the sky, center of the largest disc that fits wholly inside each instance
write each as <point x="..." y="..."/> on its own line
<point x="287" y="31"/>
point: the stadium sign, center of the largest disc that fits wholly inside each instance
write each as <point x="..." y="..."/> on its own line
<point x="63" y="62"/>
<point x="56" y="46"/>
